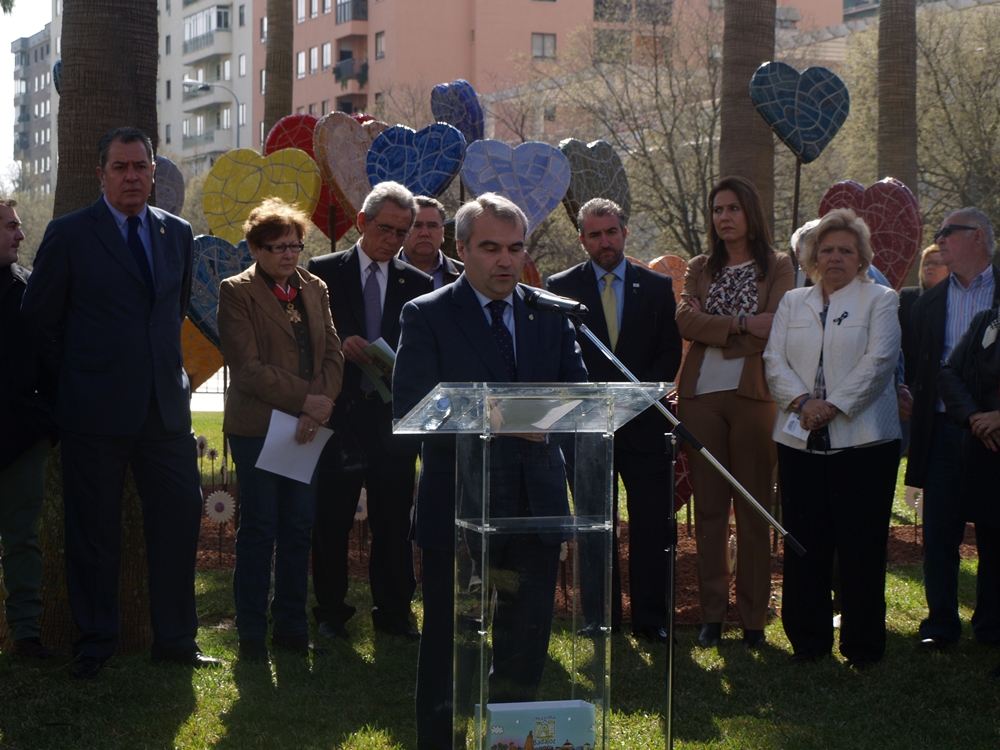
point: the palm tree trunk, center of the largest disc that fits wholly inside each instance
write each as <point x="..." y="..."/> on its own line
<point x="746" y="146"/>
<point x="278" y="76"/>
<point x="897" y="98"/>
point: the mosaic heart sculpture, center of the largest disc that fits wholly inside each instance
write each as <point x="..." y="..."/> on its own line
<point x="456" y="103"/>
<point x="892" y="213"/>
<point x="341" y="145"/>
<point x="596" y="171"/>
<point x="202" y="358"/>
<point x="241" y="179"/>
<point x="804" y="110"/>
<point x="215" y="259"/>
<point x="296" y="131"/>
<point x="57" y="76"/>
<point x="534" y="175"/>
<point x="674" y="267"/>
<point x="425" y="161"/>
<point x="169" y="186"/>
<point x="529" y="272"/>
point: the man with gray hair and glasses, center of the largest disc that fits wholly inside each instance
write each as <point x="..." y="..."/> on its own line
<point x="368" y="288"/>
<point x="939" y="318"/>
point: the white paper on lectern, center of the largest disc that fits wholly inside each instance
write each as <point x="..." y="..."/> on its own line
<point x="283" y="456"/>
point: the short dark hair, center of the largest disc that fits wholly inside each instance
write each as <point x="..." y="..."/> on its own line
<point x="600" y="207"/>
<point x="122" y="135"/>
<point x="424" y="201"/>
<point x="271" y="219"/>
<point x="8" y="202"/>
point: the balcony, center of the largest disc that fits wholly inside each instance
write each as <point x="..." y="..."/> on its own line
<point x="220" y="140"/>
<point x="193" y="141"/>
<point x="352" y="10"/>
<point x="218" y="42"/>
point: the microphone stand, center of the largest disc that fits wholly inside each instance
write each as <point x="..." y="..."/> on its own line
<point x="680" y="432"/>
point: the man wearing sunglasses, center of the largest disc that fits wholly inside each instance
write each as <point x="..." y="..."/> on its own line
<point x="422" y="249"/>
<point x="939" y="318"/>
<point x="368" y="287"/>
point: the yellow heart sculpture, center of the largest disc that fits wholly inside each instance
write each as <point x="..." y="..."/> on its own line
<point x="242" y="178"/>
<point x="201" y="359"/>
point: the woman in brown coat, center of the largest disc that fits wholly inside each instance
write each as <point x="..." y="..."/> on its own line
<point x="726" y="309"/>
<point x="284" y="354"/>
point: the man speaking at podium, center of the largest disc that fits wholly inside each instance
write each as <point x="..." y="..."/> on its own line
<point x="480" y="330"/>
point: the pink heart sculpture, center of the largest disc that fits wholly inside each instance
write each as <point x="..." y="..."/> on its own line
<point x="892" y="213"/>
<point x="296" y="131"/>
<point x="341" y="145"/>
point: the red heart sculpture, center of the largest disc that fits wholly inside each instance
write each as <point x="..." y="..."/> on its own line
<point x="892" y="214"/>
<point x="296" y="131"/>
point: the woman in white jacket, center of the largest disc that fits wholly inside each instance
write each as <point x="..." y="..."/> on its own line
<point x="829" y="365"/>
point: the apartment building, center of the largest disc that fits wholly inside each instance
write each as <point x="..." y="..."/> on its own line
<point x="34" y="121"/>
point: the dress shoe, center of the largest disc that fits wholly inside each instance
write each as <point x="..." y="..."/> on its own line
<point x="32" y="648"/>
<point x="253" y="650"/>
<point x="87" y="667"/>
<point x="397" y="626"/>
<point x="330" y="629"/>
<point x="188" y="657"/>
<point x="650" y="633"/>
<point x="295" y="644"/>
<point x="804" y="657"/>
<point x="710" y="635"/>
<point x="753" y="639"/>
<point x="932" y="643"/>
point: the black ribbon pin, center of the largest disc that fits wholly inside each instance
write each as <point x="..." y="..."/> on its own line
<point x="841" y="319"/>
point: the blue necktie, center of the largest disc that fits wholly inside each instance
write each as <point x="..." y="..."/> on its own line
<point x="504" y="340"/>
<point x="373" y="315"/>
<point x="139" y="253"/>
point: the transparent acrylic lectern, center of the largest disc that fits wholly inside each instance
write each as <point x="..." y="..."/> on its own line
<point x="530" y="555"/>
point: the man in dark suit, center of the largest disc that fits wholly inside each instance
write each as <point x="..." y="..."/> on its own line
<point x="939" y="318"/>
<point x="479" y="330"/>
<point x="24" y="446"/>
<point x="106" y="301"/>
<point x="422" y="249"/>
<point x="631" y="310"/>
<point x="368" y="288"/>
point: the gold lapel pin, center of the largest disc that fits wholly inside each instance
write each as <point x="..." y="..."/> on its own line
<point x="531" y="316"/>
<point x="402" y="281"/>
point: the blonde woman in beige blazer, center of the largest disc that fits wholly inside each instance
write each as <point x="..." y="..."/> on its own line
<point x="729" y="299"/>
<point x="284" y="354"/>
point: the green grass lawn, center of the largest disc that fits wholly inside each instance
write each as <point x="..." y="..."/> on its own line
<point x="360" y="694"/>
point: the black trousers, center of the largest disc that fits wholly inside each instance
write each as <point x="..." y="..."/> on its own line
<point x="165" y="467"/>
<point x="389" y="481"/>
<point x="837" y="503"/>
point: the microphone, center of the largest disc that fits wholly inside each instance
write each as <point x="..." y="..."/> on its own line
<point x="537" y="299"/>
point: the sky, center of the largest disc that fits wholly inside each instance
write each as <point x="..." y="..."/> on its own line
<point x="29" y="17"/>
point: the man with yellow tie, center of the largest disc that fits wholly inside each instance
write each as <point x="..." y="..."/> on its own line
<point x="632" y="313"/>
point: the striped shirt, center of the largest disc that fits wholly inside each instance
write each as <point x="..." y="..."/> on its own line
<point x="963" y="304"/>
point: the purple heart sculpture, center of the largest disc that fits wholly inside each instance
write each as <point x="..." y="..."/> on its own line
<point x="596" y="171"/>
<point x="534" y="175"/>
<point x="456" y="103"/>
<point x="169" y="186"/>
<point x="425" y="161"/>
<point x="804" y="110"/>
<point x="215" y="259"/>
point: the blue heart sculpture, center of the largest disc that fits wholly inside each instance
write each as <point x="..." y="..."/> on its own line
<point x="804" y="110"/>
<point x="534" y="175"/>
<point x="425" y="161"/>
<point x="57" y="76"/>
<point x="215" y="259"/>
<point x="596" y="172"/>
<point x="169" y="186"/>
<point x="456" y="103"/>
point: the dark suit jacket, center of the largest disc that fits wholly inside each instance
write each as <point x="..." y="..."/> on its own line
<point x="445" y="338"/>
<point x="648" y="342"/>
<point x="110" y="342"/>
<point x="25" y="415"/>
<point x="342" y="274"/>
<point x="452" y="268"/>
<point x="928" y="324"/>
<point x="907" y="296"/>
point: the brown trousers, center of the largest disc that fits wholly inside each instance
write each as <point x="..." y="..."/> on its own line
<point x="737" y="431"/>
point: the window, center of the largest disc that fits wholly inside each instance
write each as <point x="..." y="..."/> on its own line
<point x="168" y="89"/>
<point x="58" y="45"/>
<point x="550" y="113"/>
<point x="243" y="114"/>
<point x="301" y="15"/>
<point x="48" y="103"/>
<point x="36" y="110"/>
<point x="327" y="55"/>
<point x="313" y="60"/>
<point x="300" y="68"/>
<point x="351" y="10"/>
<point x="166" y="44"/>
<point x="261" y="132"/>
<point x="543" y="46"/>
<point x="227" y="118"/>
<point x="167" y="133"/>
<point x="227" y="70"/>
<point x="612" y="45"/>
<point x="380" y="45"/>
<point x="243" y="65"/>
<point x="313" y="8"/>
<point x="324" y="107"/>
<point x="199" y="125"/>
<point x="327" y="6"/>
<point x="300" y="110"/>
<point x="186" y="128"/>
<point x="243" y="15"/>
<point x="263" y="29"/>
<point x="312" y="109"/>
<point x="263" y="73"/>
